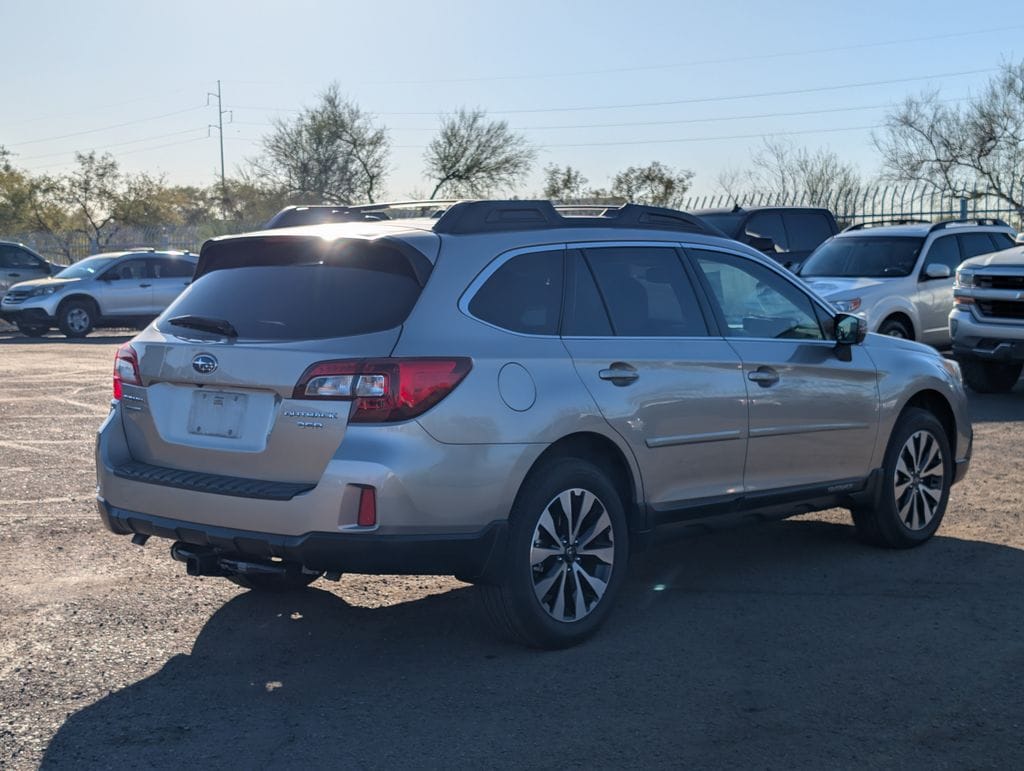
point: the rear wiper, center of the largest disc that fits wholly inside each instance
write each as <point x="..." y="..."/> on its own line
<point x="205" y="324"/>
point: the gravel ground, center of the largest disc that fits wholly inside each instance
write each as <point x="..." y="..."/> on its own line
<point x="775" y="646"/>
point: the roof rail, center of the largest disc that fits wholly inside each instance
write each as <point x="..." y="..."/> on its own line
<point x="975" y="221"/>
<point x="885" y="223"/>
<point x="291" y="216"/>
<point x="468" y="217"/>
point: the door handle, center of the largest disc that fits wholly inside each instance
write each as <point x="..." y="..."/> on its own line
<point x="145" y="286"/>
<point x="14" y="275"/>
<point x="764" y="377"/>
<point x="619" y="374"/>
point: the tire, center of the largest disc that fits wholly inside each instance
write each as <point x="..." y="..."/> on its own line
<point x="275" y="582"/>
<point x="76" y="318"/>
<point x="557" y="589"/>
<point x="894" y="327"/>
<point x="990" y="377"/>
<point x="30" y="330"/>
<point x="916" y="476"/>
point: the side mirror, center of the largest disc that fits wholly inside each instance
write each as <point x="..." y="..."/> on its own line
<point x="1020" y="238"/>
<point x="761" y="243"/>
<point x="850" y="329"/>
<point x="937" y="270"/>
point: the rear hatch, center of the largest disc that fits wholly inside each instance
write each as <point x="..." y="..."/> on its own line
<point x="213" y="386"/>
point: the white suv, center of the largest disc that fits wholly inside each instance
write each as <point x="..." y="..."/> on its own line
<point x="900" y="276"/>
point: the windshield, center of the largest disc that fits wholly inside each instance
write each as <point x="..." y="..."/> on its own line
<point x="86" y="268"/>
<point x="864" y="257"/>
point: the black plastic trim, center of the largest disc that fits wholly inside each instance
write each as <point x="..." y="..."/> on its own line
<point x="468" y="217"/>
<point x="211" y="483"/>
<point x="472" y="556"/>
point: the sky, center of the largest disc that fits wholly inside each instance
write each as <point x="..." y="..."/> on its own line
<point x="597" y="85"/>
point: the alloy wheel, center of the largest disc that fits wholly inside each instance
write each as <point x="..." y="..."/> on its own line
<point x="919" y="480"/>
<point x="78" y="319"/>
<point x="572" y="555"/>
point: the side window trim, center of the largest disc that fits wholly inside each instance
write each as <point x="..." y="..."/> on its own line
<point x="572" y="257"/>
<point x="492" y="267"/>
<point x="705" y="288"/>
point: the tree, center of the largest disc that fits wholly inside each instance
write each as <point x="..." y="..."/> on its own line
<point x="330" y="153"/>
<point x="473" y="156"/>
<point x="654" y="184"/>
<point x="15" y="196"/>
<point x="800" y="176"/>
<point x="563" y="184"/>
<point x="96" y="200"/>
<point x="952" y="148"/>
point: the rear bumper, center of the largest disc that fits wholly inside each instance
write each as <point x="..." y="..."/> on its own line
<point x="473" y="556"/>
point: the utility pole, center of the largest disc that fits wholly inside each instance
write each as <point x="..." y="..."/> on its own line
<point x="220" y="130"/>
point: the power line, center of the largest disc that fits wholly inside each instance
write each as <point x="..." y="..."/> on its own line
<point x="695" y="62"/>
<point x="106" y="128"/>
<point x="734" y="97"/>
<point x="130" y="152"/>
<point x="718" y="137"/>
<point x="116" y="144"/>
<point x="90" y="110"/>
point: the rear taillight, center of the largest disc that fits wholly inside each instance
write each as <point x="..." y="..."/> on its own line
<point x="126" y="369"/>
<point x="384" y="390"/>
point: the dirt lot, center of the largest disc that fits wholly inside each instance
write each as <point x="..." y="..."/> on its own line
<point x="777" y="646"/>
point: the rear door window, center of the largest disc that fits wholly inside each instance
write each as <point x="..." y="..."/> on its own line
<point x="1001" y="241"/>
<point x="768" y="224"/>
<point x="806" y="230"/>
<point x="646" y="291"/>
<point x="354" y="290"/>
<point x="973" y="244"/>
<point x="169" y="267"/>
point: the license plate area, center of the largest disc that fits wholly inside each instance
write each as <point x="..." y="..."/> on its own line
<point x="217" y="413"/>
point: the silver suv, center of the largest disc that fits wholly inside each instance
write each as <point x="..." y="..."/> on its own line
<point x="514" y="397"/>
<point x="900" y="277"/>
<point x="114" y="289"/>
<point x="987" y="320"/>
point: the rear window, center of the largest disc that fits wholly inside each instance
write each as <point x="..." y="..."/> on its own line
<point x="336" y="296"/>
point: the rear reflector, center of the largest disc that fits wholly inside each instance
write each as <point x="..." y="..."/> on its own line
<point x="367" y="507"/>
<point x="126" y="369"/>
<point x="384" y="390"/>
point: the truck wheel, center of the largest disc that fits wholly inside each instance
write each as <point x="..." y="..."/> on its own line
<point x="894" y="327"/>
<point x="990" y="377"/>
<point x="916" y="476"/>
<point x="565" y="558"/>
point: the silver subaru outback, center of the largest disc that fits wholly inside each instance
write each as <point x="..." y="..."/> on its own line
<point x="513" y="396"/>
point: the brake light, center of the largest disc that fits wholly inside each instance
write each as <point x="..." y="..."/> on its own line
<point x="126" y="369"/>
<point x="384" y="390"/>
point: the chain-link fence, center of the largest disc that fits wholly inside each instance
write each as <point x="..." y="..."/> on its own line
<point x="892" y="202"/>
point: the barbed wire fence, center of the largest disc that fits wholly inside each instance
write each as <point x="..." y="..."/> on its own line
<point x="885" y="202"/>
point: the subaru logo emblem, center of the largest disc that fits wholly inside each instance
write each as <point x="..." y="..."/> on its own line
<point x="204" y="363"/>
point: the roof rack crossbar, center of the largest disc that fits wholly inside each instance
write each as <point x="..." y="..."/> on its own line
<point x="467" y="217"/>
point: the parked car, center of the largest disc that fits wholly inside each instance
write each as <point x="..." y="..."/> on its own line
<point x="514" y="397"/>
<point x="114" y="289"/>
<point x="19" y="263"/>
<point x="987" y="320"/>
<point x="900" y="277"/>
<point x="785" y="233"/>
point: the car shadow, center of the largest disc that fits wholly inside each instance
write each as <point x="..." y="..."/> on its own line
<point x="1001" y="408"/>
<point x="779" y="645"/>
<point x="16" y="338"/>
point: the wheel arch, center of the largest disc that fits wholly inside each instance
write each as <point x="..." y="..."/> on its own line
<point x="607" y="455"/>
<point x="80" y="297"/>
<point x="938" y="405"/>
<point x="900" y="314"/>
